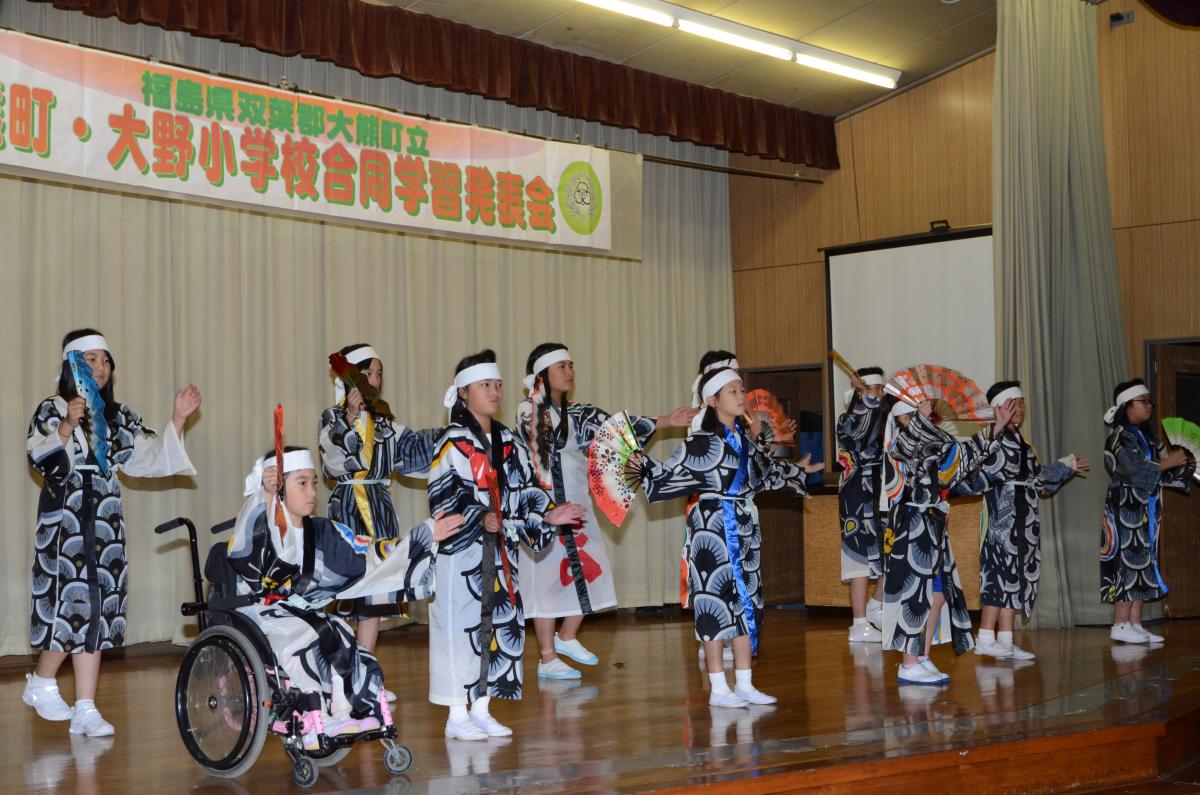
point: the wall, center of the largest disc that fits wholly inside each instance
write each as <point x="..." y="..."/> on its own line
<point x="1150" y="89"/>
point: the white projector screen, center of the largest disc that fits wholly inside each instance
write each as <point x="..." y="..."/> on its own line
<point x="928" y="301"/>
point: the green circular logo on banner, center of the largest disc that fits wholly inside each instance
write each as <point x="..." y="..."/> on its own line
<point x="580" y="197"/>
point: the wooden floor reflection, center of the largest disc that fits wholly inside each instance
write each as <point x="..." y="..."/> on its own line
<point x="640" y="720"/>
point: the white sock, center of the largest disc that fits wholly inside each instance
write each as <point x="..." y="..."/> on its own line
<point x="38" y="681"/>
<point x="1136" y="624"/>
<point x="719" y="685"/>
<point x="480" y="708"/>
<point x="83" y="704"/>
<point x="742" y="679"/>
<point x="987" y="636"/>
<point x="458" y="713"/>
<point x="873" y="604"/>
<point x="858" y="622"/>
<point x="1005" y="638"/>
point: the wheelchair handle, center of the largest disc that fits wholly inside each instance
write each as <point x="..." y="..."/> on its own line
<point x="181" y="521"/>
<point x="223" y="526"/>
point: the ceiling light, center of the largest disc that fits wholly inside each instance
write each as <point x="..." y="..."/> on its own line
<point x="882" y="77"/>
<point x="725" y="31"/>
<point x="737" y="40"/>
<point x="634" y="10"/>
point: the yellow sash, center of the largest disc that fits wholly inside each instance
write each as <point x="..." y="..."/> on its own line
<point x="366" y="432"/>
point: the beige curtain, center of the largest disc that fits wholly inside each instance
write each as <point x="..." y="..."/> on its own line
<point x="1058" y="299"/>
<point x="248" y="306"/>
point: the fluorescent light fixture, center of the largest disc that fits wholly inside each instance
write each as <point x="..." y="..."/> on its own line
<point x="736" y="39"/>
<point x="634" y="10"/>
<point x="670" y="15"/>
<point x="878" y="78"/>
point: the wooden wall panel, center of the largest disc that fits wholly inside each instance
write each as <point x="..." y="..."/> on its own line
<point x="926" y="154"/>
<point x="1155" y="92"/>
<point x="1159" y="268"/>
<point x="779" y="315"/>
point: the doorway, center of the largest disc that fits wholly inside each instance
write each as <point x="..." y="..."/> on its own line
<point x="1174" y="368"/>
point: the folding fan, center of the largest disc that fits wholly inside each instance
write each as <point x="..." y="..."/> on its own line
<point x="761" y="405"/>
<point x="87" y="388"/>
<point x="356" y="379"/>
<point x="1182" y="433"/>
<point x="613" y="481"/>
<point x="954" y="396"/>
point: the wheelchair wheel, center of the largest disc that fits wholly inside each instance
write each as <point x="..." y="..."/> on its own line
<point x="329" y="758"/>
<point x="397" y="759"/>
<point x="219" y="699"/>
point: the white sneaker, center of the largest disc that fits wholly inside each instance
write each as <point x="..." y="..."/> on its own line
<point x="458" y="730"/>
<point x="389" y="695"/>
<point x="575" y="650"/>
<point x="875" y="615"/>
<point x="88" y="720"/>
<point x="1127" y="634"/>
<point x="490" y="726"/>
<point x="993" y="649"/>
<point x="919" y="674"/>
<point x="928" y="665"/>
<point x="46" y="700"/>
<point x="865" y="633"/>
<point x="1017" y="653"/>
<point x="557" y="669"/>
<point x="1147" y="634"/>
<point x="727" y="699"/>
<point x="752" y="695"/>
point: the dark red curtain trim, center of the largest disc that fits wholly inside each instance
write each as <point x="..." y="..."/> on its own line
<point x="386" y="41"/>
<point x="1181" y="12"/>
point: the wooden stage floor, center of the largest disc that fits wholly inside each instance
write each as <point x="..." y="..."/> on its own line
<point x="1089" y="712"/>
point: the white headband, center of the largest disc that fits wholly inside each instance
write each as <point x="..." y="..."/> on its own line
<point x="902" y="407"/>
<point x="92" y="342"/>
<point x="874" y="379"/>
<point x="356" y="357"/>
<point x="487" y="371"/>
<point x="718" y="381"/>
<point x="292" y="462"/>
<point x="1005" y="395"/>
<point x="723" y="363"/>
<point x="1132" y="393"/>
<point x="363" y="354"/>
<point x="542" y="362"/>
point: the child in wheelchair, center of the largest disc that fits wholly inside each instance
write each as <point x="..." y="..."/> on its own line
<point x="293" y="564"/>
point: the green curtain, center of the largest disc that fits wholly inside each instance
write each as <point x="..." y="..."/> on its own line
<point x="1057" y="292"/>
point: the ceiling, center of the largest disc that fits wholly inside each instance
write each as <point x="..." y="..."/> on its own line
<point x="918" y="37"/>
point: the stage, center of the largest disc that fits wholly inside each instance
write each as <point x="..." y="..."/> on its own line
<point x="1089" y="713"/>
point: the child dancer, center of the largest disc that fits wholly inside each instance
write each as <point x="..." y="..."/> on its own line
<point x="298" y="567"/>
<point x="860" y="452"/>
<point x="361" y="452"/>
<point x="921" y="584"/>
<point x="476" y="623"/>
<point x="1140" y="466"/>
<point x="571" y="577"/>
<point x="78" y="445"/>
<point x="720" y="465"/>
<point x="1011" y="553"/>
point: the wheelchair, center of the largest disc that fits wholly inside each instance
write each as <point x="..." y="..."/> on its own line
<point x="231" y="693"/>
